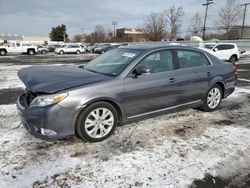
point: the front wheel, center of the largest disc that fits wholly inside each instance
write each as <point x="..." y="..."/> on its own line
<point x="78" y="52"/>
<point x="97" y="122"/>
<point x="61" y="52"/>
<point x="2" y="52"/>
<point x="212" y="99"/>
<point x="43" y="52"/>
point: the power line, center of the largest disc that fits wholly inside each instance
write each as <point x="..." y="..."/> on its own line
<point x="205" y="19"/>
<point x="244" y="17"/>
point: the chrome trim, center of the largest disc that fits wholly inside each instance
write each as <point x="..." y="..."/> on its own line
<point x="164" y="109"/>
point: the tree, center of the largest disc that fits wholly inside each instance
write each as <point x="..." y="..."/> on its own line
<point x="196" y="24"/>
<point x="78" y="38"/>
<point x="154" y="26"/>
<point x="174" y="16"/>
<point x="229" y="15"/>
<point x="59" y="33"/>
<point x="99" y="35"/>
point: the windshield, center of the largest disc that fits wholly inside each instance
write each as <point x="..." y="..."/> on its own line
<point x="209" y="46"/>
<point x="113" y="62"/>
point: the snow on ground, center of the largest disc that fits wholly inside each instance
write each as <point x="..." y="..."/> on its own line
<point x="9" y="77"/>
<point x="166" y="151"/>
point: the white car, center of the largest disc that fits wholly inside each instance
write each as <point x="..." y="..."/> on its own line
<point x="17" y="48"/>
<point x="70" y="48"/>
<point x="223" y="51"/>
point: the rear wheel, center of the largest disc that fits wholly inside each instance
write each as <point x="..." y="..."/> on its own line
<point x="97" y="122"/>
<point x="233" y="59"/>
<point x="212" y="99"/>
<point x="2" y="52"/>
<point x="31" y="52"/>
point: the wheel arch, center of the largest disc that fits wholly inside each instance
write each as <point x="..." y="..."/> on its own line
<point x="115" y="104"/>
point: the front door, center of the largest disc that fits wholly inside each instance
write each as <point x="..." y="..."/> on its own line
<point x="152" y="91"/>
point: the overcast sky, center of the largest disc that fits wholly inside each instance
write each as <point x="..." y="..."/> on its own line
<point x="36" y="17"/>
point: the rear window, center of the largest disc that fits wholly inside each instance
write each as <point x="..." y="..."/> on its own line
<point x="188" y="59"/>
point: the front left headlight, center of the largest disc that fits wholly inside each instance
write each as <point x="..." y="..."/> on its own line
<point x="45" y="100"/>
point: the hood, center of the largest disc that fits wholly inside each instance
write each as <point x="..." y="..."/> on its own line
<point x="51" y="79"/>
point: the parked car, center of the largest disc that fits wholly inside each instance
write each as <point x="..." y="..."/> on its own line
<point x="91" y="48"/>
<point x="120" y="86"/>
<point x="53" y="47"/>
<point x="224" y="51"/>
<point x="103" y="48"/>
<point x="42" y="49"/>
<point x="70" y="49"/>
<point x="17" y="48"/>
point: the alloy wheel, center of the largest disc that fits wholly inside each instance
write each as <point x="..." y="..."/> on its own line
<point x="214" y="98"/>
<point x="99" y="122"/>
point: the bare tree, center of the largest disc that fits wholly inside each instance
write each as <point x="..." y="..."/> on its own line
<point x="154" y="26"/>
<point x="229" y="15"/>
<point x="78" y="38"/>
<point x="99" y="35"/>
<point x="174" y="16"/>
<point x="196" y="24"/>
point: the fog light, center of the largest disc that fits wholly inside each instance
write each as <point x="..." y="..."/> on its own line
<point x="48" y="132"/>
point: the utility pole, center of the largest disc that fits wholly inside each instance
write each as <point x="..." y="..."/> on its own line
<point x="82" y="38"/>
<point x="205" y="19"/>
<point x="114" y="23"/>
<point x="244" y="16"/>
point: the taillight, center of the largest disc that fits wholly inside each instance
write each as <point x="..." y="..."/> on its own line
<point x="234" y="68"/>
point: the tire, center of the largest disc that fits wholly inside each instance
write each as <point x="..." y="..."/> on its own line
<point x="212" y="99"/>
<point x="102" y="52"/>
<point x="43" y="52"/>
<point x="233" y="59"/>
<point x="31" y="52"/>
<point x="91" y="123"/>
<point x="78" y="52"/>
<point x="61" y="52"/>
<point x="2" y="52"/>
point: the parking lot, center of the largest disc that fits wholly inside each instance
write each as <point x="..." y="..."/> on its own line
<point x="185" y="149"/>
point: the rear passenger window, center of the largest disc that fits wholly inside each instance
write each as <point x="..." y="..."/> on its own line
<point x="225" y="47"/>
<point x="188" y="59"/>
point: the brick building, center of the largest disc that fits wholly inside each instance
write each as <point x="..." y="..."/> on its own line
<point x="131" y="35"/>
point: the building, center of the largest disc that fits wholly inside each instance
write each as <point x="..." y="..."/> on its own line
<point x="37" y="40"/>
<point x="131" y="35"/>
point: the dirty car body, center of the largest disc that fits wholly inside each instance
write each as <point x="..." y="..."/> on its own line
<point x="120" y="86"/>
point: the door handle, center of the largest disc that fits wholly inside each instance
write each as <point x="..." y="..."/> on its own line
<point x="209" y="74"/>
<point x="172" y="80"/>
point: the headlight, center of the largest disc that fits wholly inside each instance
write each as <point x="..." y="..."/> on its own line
<point x="45" y="100"/>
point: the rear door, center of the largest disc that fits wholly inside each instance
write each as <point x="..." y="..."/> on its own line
<point x="153" y="91"/>
<point x="193" y="75"/>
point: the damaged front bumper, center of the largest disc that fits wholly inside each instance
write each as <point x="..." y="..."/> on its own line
<point x="48" y="123"/>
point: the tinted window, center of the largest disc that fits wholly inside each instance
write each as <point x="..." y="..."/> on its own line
<point x="188" y="59"/>
<point x="158" y="61"/>
<point x="18" y="44"/>
<point x="225" y="46"/>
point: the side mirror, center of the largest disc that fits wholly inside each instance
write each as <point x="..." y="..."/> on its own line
<point x="81" y="66"/>
<point x="215" y="49"/>
<point x="141" y="71"/>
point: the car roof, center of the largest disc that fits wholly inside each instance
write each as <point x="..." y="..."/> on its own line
<point x="150" y="47"/>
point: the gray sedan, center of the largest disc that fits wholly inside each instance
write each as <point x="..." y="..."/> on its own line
<point x="120" y="86"/>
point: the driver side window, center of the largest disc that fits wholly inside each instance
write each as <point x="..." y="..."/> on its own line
<point x="159" y="61"/>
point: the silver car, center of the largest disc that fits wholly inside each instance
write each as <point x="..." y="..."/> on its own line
<point x="120" y="86"/>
